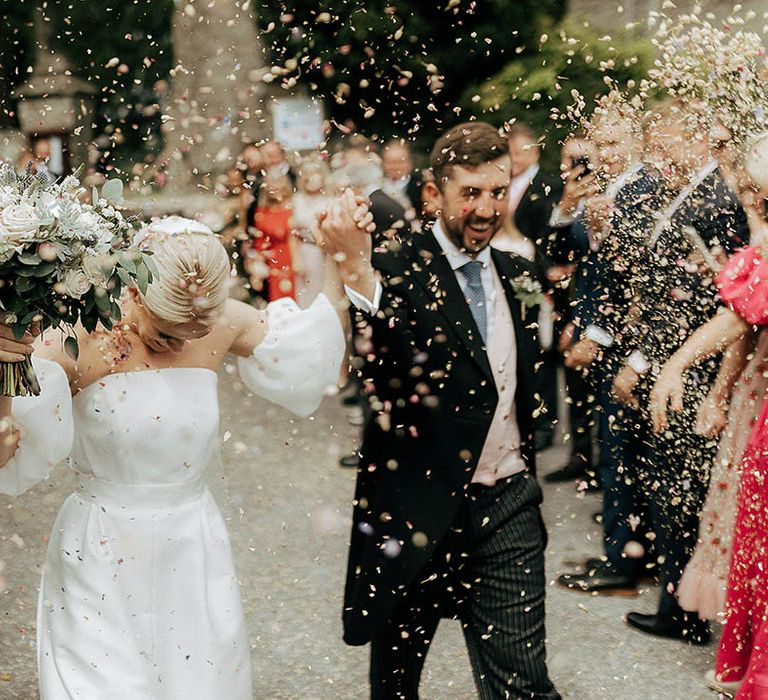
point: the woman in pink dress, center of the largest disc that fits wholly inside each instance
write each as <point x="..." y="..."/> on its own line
<point x="703" y="585"/>
<point x="742" y="658"/>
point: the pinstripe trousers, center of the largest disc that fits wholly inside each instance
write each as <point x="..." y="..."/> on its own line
<point x="489" y="573"/>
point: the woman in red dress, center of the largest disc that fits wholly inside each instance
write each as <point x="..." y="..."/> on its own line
<point x="272" y="256"/>
<point x="742" y="658"/>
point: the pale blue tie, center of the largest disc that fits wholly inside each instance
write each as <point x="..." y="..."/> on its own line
<point x="475" y="295"/>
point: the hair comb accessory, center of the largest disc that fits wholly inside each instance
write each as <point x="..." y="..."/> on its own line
<point x="170" y="226"/>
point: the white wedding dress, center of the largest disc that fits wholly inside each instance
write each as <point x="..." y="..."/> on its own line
<point x="139" y="599"/>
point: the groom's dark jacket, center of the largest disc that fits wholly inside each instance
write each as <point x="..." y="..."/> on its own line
<point x="432" y="396"/>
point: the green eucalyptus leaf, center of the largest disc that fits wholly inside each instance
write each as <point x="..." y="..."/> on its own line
<point x="71" y="347"/>
<point x="149" y="261"/>
<point x="28" y="258"/>
<point x="126" y="261"/>
<point x="44" y="270"/>
<point x="125" y="278"/>
<point x="112" y="191"/>
<point x="142" y="278"/>
<point x="102" y="300"/>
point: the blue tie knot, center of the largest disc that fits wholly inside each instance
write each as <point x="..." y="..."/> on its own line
<point x="472" y="271"/>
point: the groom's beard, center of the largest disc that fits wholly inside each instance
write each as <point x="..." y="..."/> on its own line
<point x="472" y="234"/>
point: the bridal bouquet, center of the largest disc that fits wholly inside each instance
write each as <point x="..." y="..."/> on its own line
<point x="61" y="261"/>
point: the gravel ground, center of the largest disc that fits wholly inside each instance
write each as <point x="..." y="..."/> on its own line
<point x="286" y="504"/>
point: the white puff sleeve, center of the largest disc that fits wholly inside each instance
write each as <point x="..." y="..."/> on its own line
<point x="299" y="358"/>
<point x="45" y="424"/>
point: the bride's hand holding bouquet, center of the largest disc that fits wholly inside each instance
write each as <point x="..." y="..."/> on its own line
<point x="62" y="261"/>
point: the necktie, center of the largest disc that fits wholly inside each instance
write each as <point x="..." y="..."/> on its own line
<point x="475" y="295"/>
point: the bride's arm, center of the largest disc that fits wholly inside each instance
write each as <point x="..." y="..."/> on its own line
<point x="36" y="432"/>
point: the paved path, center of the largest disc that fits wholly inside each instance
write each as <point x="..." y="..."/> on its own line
<point x="286" y="505"/>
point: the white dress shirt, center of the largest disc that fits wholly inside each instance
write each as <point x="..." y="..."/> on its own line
<point x="519" y="185"/>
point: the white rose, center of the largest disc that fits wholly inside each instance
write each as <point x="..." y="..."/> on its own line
<point x="95" y="267"/>
<point x="75" y="283"/>
<point x="18" y="221"/>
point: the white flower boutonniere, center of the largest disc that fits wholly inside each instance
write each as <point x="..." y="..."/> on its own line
<point x="528" y="291"/>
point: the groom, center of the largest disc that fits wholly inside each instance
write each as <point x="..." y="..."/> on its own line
<point x="446" y="510"/>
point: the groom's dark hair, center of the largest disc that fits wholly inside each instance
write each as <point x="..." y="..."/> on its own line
<point x="468" y="145"/>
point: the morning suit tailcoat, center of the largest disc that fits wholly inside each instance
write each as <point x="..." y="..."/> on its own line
<point x="433" y="398"/>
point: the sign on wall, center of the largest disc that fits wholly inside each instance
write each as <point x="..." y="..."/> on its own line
<point x="298" y="123"/>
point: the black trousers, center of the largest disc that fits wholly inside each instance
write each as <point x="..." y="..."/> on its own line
<point x="674" y="468"/>
<point x="489" y="573"/>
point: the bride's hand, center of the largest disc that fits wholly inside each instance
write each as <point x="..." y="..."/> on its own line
<point x="13" y="350"/>
<point x="344" y="231"/>
<point x="668" y="392"/>
<point x="345" y="227"/>
<point x="9" y="437"/>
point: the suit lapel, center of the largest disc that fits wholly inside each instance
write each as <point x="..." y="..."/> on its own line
<point x="433" y="272"/>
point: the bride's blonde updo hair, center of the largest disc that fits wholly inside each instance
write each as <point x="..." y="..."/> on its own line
<point x="193" y="270"/>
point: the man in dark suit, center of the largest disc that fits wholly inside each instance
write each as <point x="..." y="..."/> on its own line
<point x="533" y="193"/>
<point x="613" y="223"/>
<point x="532" y="196"/>
<point x="446" y="520"/>
<point x="401" y="181"/>
<point x="702" y="223"/>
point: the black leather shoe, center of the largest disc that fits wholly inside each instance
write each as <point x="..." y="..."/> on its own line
<point x="693" y="631"/>
<point x="600" y="580"/>
<point x="350" y="461"/>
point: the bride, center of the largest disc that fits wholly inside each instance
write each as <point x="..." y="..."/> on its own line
<point x="139" y="598"/>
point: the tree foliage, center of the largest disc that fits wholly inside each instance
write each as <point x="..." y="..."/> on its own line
<point x="123" y="47"/>
<point x="538" y="88"/>
<point x="397" y="69"/>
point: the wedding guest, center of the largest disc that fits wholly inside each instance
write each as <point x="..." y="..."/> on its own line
<point x="702" y="220"/>
<point x="309" y="201"/>
<point x="742" y="659"/>
<point x="568" y="245"/>
<point x="703" y="585"/>
<point x="732" y="406"/>
<point x="271" y="255"/>
<point x="446" y="518"/>
<point x="610" y="224"/>
<point x="532" y="195"/>
<point x="401" y="181"/>
<point x="139" y="596"/>
<point x="275" y="162"/>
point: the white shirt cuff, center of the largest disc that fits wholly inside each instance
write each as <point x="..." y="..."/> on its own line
<point x="560" y="220"/>
<point x="598" y="335"/>
<point x="361" y="302"/>
<point x="638" y="362"/>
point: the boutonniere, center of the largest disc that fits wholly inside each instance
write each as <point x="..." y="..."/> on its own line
<point x="528" y="292"/>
